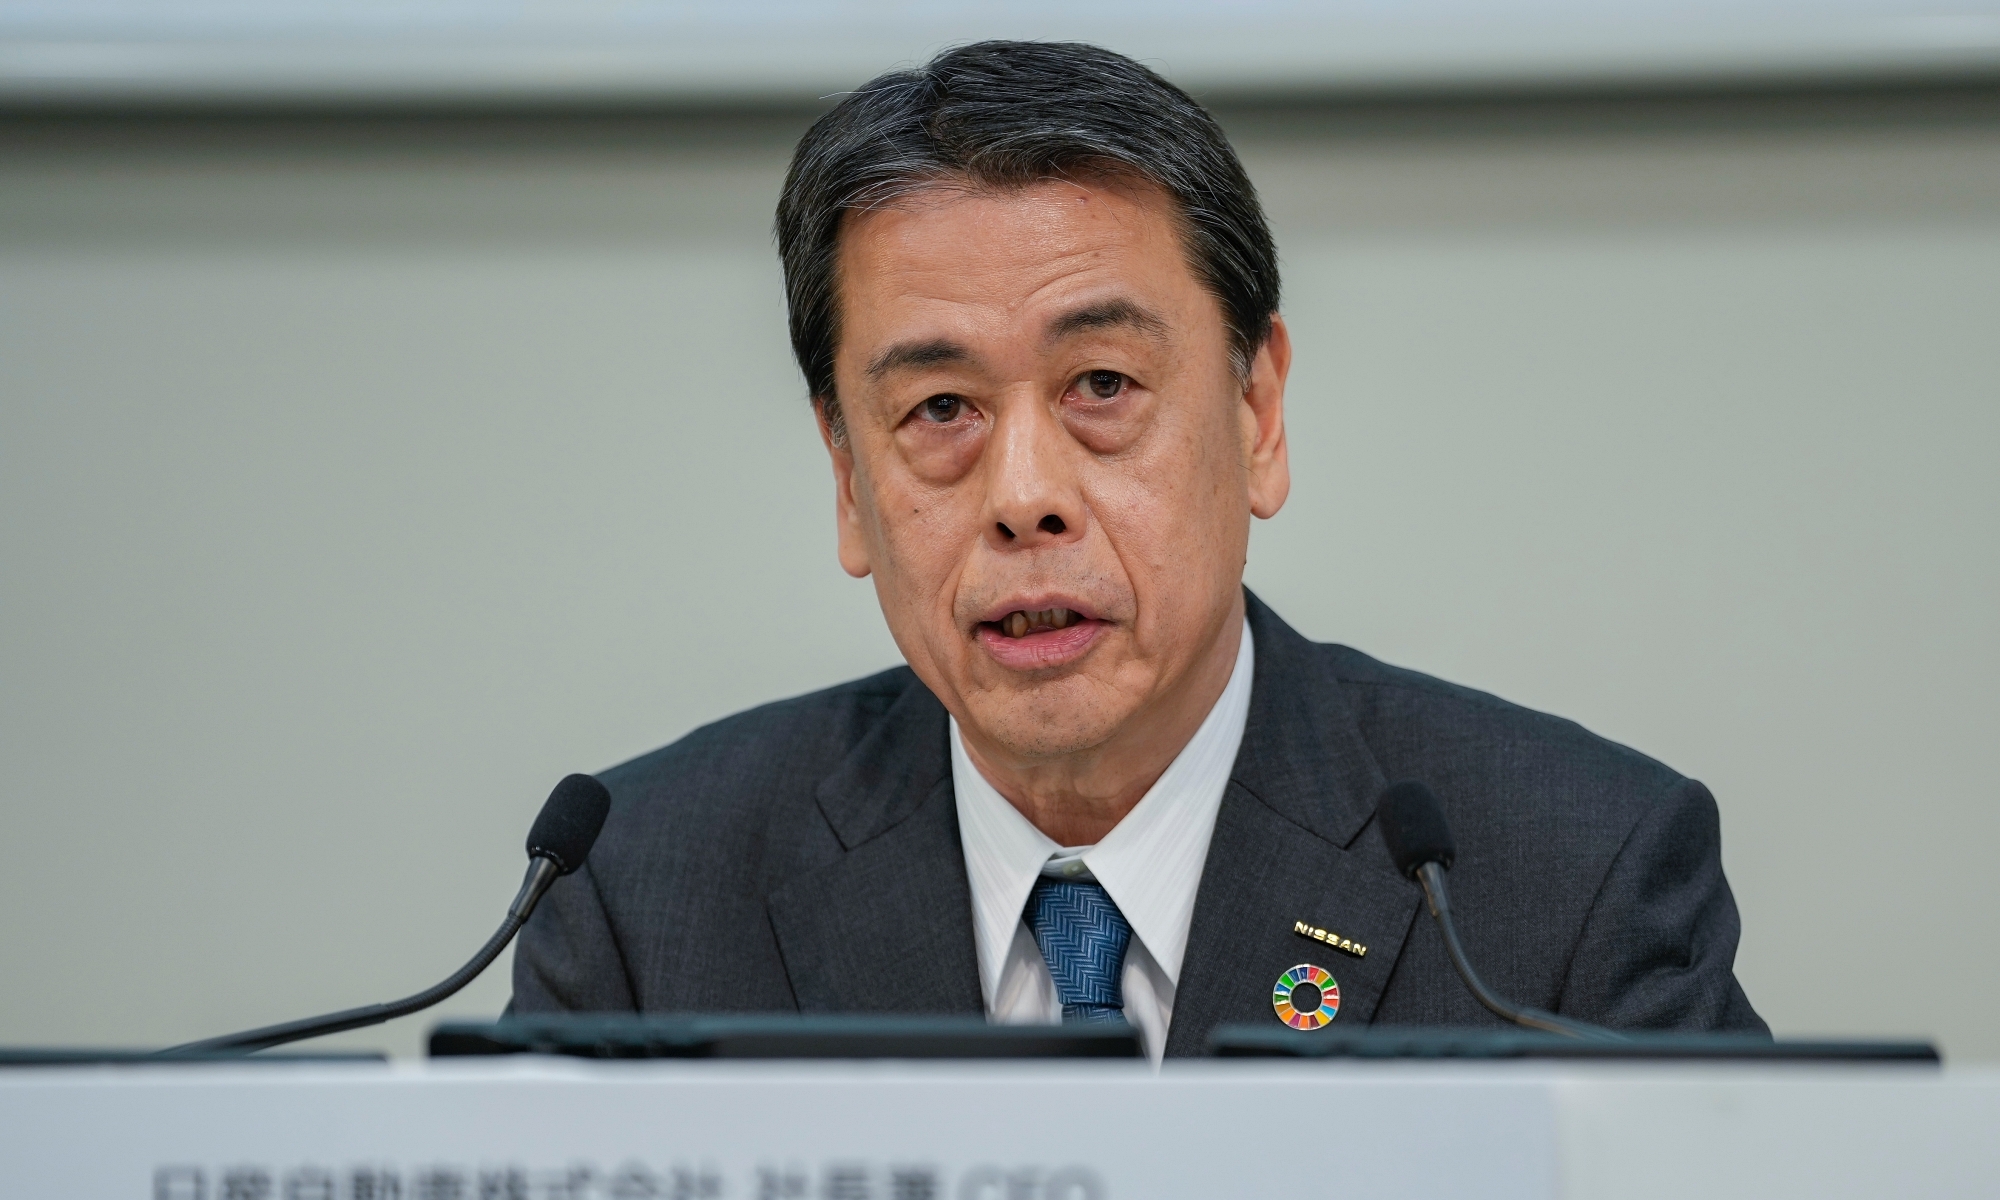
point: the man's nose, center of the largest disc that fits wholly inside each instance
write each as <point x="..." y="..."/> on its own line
<point x="1033" y="497"/>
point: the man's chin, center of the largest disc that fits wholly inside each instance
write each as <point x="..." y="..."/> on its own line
<point x="1049" y="720"/>
<point x="1053" y="741"/>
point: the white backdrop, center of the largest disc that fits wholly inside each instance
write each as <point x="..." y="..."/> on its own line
<point x="358" y="481"/>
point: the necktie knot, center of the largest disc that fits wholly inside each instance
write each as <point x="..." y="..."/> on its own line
<point x="1083" y="936"/>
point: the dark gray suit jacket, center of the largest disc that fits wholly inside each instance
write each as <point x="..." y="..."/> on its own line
<point x="805" y="856"/>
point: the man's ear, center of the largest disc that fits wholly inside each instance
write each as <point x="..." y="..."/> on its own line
<point x="853" y="546"/>
<point x="1263" y="423"/>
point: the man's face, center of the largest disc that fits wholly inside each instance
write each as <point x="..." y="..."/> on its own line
<point x="1051" y="463"/>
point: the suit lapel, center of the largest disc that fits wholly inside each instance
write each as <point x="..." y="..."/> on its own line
<point x="1286" y="850"/>
<point x="886" y="926"/>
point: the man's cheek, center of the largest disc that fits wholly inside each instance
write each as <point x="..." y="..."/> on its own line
<point x="918" y="529"/>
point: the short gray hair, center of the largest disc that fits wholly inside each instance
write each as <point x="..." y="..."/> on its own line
<point x="1011" y="114"/>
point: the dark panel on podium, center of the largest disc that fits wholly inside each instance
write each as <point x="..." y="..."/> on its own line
<point x="1250" y="1041"/>
<point x="605" y="1035"/>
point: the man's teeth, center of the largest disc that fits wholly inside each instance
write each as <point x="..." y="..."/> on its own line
<point x="1021" y="624"/>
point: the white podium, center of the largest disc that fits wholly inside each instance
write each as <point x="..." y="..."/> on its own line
<point x="558" y="1129"/>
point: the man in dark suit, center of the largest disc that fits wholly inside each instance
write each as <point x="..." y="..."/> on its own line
<point x="1035" y="302"/>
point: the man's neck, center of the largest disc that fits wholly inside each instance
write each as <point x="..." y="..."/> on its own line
<point x="1078" y="798"/>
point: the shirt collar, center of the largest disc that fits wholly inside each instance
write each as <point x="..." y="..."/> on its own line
<point x="1150" y="863"/>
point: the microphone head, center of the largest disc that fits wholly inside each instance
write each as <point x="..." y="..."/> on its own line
<point x="1413" y="824"/>
<point x="569" y="822"/>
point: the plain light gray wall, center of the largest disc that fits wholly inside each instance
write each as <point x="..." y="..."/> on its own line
<point x="360" y="478"/>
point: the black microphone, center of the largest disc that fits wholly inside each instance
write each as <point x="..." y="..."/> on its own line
<point x="1420" y="842"/>
<point x="557" y="844"/>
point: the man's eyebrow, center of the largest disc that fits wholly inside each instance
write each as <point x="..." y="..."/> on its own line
<point x="1104" y="314"/>
<point x="905" y="355"/>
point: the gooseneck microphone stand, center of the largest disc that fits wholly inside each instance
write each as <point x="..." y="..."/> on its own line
<point x="558" y="843"/>
<point x="1420" y="843"/>
<point x="1431" y="876"/>
<point x="541" y="873"/>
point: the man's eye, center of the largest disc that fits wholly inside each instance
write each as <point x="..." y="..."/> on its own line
<point x="1105" y="385"/>
<point x="942" y="409"/>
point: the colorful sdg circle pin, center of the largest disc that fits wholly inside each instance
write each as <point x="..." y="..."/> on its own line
<point x="1306" y="997"/>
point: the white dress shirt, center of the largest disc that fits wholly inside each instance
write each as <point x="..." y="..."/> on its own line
<point x="1150" y="864"/>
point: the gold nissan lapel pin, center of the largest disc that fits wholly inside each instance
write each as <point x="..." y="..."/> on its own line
<point x="1344" y="945"/>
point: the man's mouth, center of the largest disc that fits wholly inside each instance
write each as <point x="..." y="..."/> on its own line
<point x="1020" y="623"/>
<point x="1037" y="639"/>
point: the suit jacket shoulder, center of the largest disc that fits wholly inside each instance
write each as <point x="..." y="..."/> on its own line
<point x="725" y="781"/>
<point x="671" y="911"/>
<point x="1589" y="875"/>
<point x="1404" y="712"/>
<point x="1520" y="785"/>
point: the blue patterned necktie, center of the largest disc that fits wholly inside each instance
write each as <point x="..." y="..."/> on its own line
<point x="1083" y="936"/>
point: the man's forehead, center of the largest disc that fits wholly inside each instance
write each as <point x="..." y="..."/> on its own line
<point x="1055" y="259"/>
<point x="1111" y="312"/>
